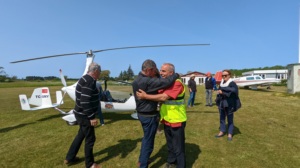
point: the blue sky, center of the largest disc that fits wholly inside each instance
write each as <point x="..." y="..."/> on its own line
<point x="241" y="33"/>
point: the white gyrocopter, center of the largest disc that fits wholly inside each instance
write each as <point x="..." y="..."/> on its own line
<point x="41" y="99"/>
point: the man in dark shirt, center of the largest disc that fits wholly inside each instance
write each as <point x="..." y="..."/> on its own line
<point x="173" y="116"/>
<point x="210" y="85"/>
<point x="146" y="109"/>
<point x="192" y="89"/>
<point x="87" y="103"/>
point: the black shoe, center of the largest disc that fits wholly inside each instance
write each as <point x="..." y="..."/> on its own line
<point x="68" y="162"/>
<point x="219" y="136"/>
<point x="169" y="165"/>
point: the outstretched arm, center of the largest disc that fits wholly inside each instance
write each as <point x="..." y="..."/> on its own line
<point x="155" y="84"/>
<point x="157" y="97"/>
<point x="231" y="89"/>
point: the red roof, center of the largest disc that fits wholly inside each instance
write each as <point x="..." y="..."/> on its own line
<point x="197" y="74"/>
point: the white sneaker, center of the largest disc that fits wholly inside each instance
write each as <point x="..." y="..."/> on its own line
<point x="96" y="166"/>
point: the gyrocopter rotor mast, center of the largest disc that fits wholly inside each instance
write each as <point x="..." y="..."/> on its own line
<point x="89" y="59"/>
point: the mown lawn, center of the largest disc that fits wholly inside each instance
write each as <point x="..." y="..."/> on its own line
<point x="266" y="133"/>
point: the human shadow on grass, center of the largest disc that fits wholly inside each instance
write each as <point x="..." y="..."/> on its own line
<point x="3" y="130"/>
<point x="192" y="152"/>
<point x="258" y="89"/>
<point x="114" y="117"/>
<point x="50" y="117"/>
<point x="199" y="112"/>
<point x="236" y="130"/>
<point x="123" y="148"/>
<point x="196" y="104"/>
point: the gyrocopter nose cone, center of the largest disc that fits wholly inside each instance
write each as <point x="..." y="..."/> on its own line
<point x="72" y="123"/>
<point x="64" y="89"/>
<point x="134" y="115"/>
<point x="70" y="119"/>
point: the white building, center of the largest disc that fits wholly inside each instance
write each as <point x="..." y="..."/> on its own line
<point x="199" y="78"/>
<point x="269" y="74"/>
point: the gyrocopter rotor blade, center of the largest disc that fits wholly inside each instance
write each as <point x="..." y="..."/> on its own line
<point x="51" y="56"/>
<point x="90" y="52"/>
<point x="151" y="46"/>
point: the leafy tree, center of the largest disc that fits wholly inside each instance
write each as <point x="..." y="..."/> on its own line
<point x="120" y="76"/>
<point x="105" y="74"/>
<point x="14" y="78"/>
<point x="125" y="75"/>
<point x="3" y="74"/>
<point x="34" y="78"/>
<point x="51" y="78"/>
<point x="130" y="72"/>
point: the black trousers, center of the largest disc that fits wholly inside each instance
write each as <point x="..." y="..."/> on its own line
<point x="176" y="145"/>
<point x="86" y="132"/>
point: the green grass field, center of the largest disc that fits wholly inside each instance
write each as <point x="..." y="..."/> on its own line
<point x="266" y="133"/>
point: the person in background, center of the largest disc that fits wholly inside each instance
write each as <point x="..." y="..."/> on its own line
<point x="159" y="128"/>
<point x="210" y="85"/>
<point x="192" y="89"/>
<point x="147" y="110"/>
<point x="228" y="93"/>
<point x="85" y="111"/>
<point x="173" y="116"/>
<point x="100" y="115"/>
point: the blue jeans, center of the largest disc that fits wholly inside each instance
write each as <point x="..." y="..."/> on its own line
<point x="149" y="125"/>
<point x="192" y="99"/>
<point x="223" y="115"/>
<point x="208" y="96"/>
<point x="100" y="116"/>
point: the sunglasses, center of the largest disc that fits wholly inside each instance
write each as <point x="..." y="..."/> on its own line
<point x="224" y="76"/>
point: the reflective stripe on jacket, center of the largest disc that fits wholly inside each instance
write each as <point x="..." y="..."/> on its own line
<point x="174" y="111"/>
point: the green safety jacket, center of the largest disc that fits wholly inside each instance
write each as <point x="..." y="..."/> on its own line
<point x="174" y="111"/>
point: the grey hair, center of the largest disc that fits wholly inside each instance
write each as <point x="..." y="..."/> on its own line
<point x="148" y="64"/>
<point x="93" y="67"/>
<point x="171" y="67"/>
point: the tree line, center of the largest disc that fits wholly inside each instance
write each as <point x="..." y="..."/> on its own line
<point x="239" y="72"/>
<point x="123" y="76"/>
<point x="105" y="75"/>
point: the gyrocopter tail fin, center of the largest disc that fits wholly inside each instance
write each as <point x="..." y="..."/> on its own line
<point x="41" y="99"/>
